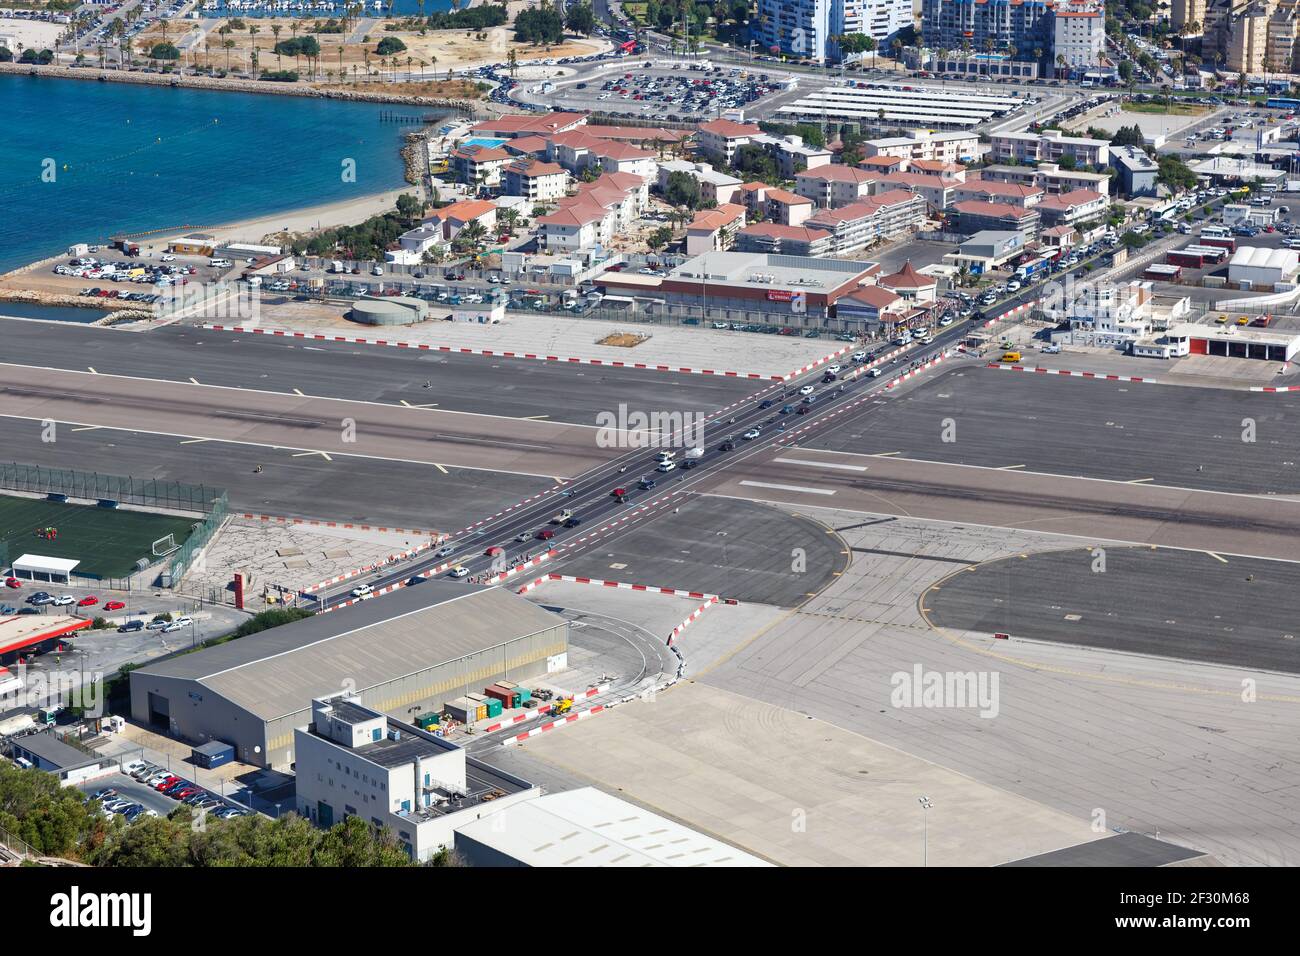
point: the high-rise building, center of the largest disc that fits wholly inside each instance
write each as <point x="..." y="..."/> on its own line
<point x="808" y="28"/>
<point x="1078" y="37"/>
<point x="1184" y="12"/>
<point x="1248" y="40"/>
<point x="1050" y="33"/>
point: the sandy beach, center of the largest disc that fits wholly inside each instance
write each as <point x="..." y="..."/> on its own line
<point x="306" y="219"/>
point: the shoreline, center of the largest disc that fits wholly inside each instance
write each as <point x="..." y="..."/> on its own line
<point x="232" y="85"/>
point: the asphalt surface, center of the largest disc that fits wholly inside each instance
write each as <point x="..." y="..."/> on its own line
<point x="1179" y="604"/>
<point x="512" y="388"/>
<point x="735" y="549"/>
<point x="1122" y="849"/>
<point x="1185" y="437"/>
<point x="322" y="426"/>
<point x="357" y="490"/>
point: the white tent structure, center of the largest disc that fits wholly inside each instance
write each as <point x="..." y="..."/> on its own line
<point x="38" y="567"/>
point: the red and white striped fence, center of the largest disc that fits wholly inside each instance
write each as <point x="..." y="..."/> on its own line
<point x="1065" y="371"/>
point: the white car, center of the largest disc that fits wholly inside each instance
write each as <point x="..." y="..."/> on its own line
<point x="834" y="369"/>
<point x="364" y="590"/>
<point x="168" y="257"/>
<point x="178" y="624"/>
<point x="1051" y="349"/>
<point x="667" y="466"/>
<point x="859" y="356"/>
<point x="63" y="600"/>
<point x="751" y="434"/>
<point x="945" y="321"/>
<point x="666" y="456"/>
<point x="459" y="571"/>
<point x="807" y="390"/>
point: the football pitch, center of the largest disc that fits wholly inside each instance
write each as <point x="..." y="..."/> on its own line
<point x="106" y="541"/>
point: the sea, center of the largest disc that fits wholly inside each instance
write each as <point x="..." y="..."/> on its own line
<point x="83" y="160"/>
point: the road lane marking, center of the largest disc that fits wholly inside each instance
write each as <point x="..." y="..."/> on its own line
<point x="1217" y="557"/>
<point x="820" y="464"/>
<point x="92" y="370"/>
<point x="195" y="441"/>
<point x="298" y="391"/>
<point x="87" y="428"/>
<point x="533" y="418"/>
<point x="801" y="488"/>
<point x="885" y="454"/>
<point x="305" y="454"/>
<point x="409" y="405"/>
<point x="1138" y="481"/>
<point x="195" y="380"/>
<point x="1010" y="467"/>
<point x="440" y="468"/>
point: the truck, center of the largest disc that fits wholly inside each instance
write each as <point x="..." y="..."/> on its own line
<point x="336" y="265"/>
<point x="562" y="517"/>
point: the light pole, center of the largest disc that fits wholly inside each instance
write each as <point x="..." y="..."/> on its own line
<point x="925" y="829"/>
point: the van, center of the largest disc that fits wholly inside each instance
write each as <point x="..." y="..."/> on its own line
<point x="1010" y="357"/>
<point x="220" y="263"/>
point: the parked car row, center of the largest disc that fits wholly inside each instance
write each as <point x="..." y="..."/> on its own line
<point x="182" y="790"/>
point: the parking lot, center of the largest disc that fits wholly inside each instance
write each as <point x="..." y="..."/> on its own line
<point x="134" y="793"/>
<point x="682" y="91"/>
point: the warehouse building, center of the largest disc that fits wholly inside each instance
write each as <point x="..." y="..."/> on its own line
<point x="417" y="647"/>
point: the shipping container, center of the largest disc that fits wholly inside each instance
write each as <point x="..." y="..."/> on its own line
<point x="213" y="754"/>
<point x="462" y="710"/>
<point x="481" y="713"/>
<point x="427" y="721"/>
<point x="477" y="698"/>
<point x="525" y="695"/>
<point x="501" y="695"/>
<point x="494" y="707"/>
<point x="1192" y="260"/>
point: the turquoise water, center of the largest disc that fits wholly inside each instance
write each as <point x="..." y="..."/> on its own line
<point x="129" y="158"/>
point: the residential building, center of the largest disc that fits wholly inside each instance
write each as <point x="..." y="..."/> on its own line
<point x="1138" y="172"/>
<point x="871" y="308"/>
<point x="535" y="180"/>
<point x="835" y="185"/>
<point x="974" y="216"/>
<point x="792" y="154"/>
<point x="1049" y="145"/>
<point x="885" y="164"/>
<point x="884" y="216"/>
<point x="1072" y="208"/>
<point x="992" y="27"/>
<point x="1247" y="42"/>
<point x="1106" y="315"/>
<point x="772" y="237"/>
<point x="937" y="167"/>
<point x="788" y="208"/>
<point x="717" y="186"/>
<point x="577" y="151"/>
<point x="452" y="219"/>
<point x="800" y="28"/>
<point x="714" y="230"/>
<point x="1049" y="177"/>
<point x="1079" y="36"/>
<point x="1283" y="53"/>
<point x="1010" y="194"/>
<point x="987" y="251"/>
<point x="597" y="212"/>
<point x="515" y="125"/>
<point x="1184" y="12"/>
<point x="938" y="191"/>
<point x="479" y="166"/>
<point x="957" y="146"/>
<point x="721" y="138"/>
<point x="353" y="761"/>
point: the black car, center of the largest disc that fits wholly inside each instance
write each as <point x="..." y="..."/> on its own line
<point x="727" y="445"/>
<point x="645" y="484"/>
<point x="136" y="625"/>
<point x="766" y="403"/>
<point x="28" y="610"/>
<point x="417" y="579"/>
<point x="689" y="463"/>
<point x="572" y="522"/>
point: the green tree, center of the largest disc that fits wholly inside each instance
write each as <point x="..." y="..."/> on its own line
<point x="682" y="190"/>
<point x="390" y="45"/>
<point x="580" y="19"/>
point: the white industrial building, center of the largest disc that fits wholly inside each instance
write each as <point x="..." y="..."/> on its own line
<point x="353" y="761"/>
<point x="588" y="827"/>
<point x="1273" y="270"/>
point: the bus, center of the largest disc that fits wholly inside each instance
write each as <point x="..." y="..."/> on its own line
<point x="1283" y="103"/>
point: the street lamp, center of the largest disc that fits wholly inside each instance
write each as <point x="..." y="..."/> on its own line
<point x="926" y="805"/>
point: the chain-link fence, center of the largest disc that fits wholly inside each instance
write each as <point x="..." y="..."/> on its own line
<point x="93" y="486"/>
<point x="180" y="561"/>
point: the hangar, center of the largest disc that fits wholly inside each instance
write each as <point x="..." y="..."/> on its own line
<point x="416" y="647"/>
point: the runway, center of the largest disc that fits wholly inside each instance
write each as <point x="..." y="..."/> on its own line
<point x="322" y="426"/>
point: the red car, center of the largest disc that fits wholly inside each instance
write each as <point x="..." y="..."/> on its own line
<point x="546" y="534"/>
<point x="13" y="583"/>
<point x="114" y="606"/>
<point x="88" y="601"/>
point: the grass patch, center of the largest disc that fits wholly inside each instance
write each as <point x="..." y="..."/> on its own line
<point x="106" y="541"/>
<point x="635" y="12"/>
<point x="1173" y="109"/>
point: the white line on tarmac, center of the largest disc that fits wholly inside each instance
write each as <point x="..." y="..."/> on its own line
<point x="799" y="488"/>
<point x="1216" y="557"/>
<point x="820" y="464"/>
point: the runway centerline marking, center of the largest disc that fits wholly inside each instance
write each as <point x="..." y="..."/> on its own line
<point x="820" y="464"/>
<point x="799" y="488"/>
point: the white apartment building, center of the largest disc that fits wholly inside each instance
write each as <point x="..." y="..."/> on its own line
<point x="834" y="185"/>
<point x="1116" y="316"/>
<point x="535" y="180"/>
<point x="352" y="761"/>
<point x="722" y="137"/>
<point x="952" y="147"/>
<point x="715" y="185"/>
<point x="1049" y="145"/>
<point x="792" y="154"/>
<point x="882" y="217"/>
<point x="807" y="28"/>
<point x="1079" y="36"/>
<point x="878" y="19"/>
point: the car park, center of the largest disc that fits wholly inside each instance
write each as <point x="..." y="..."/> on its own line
<point x="178" y="624"/>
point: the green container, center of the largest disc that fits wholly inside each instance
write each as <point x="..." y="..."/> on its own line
<point x="525" y="694"/>
<point x="493" y="707"/>
<point x="426" y="721"/>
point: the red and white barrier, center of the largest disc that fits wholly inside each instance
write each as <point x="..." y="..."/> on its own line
<point x="812" y="365"/>
<point x="511" y="572"/>
<point x="391" y="559"/>
<point x="556" y="724"/>
<point x="919" y="369"/>
<point x="694" y="616"/>
<point x="674" y="592"/>
<point x="1275" y="388"/>
<point x="536" y="356"/>
<point x="1065" y="371"/>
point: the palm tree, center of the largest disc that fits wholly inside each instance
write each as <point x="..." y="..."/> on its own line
<point x="275" y="29"/>
<point x="227" y="45"/>
<point x="340" y="52"/>
<point x="1061" y="64"/>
